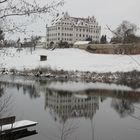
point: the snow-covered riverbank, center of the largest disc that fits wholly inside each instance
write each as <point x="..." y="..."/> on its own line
<point x="68" y="60"/>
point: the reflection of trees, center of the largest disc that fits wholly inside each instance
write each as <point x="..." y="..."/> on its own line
<point x="64" y="105"/>
<point x="122" y="101"/>
<point x="31" y="89"/>
<point x="1" y="90"/>
<point x="123" y="107"/>
<point x="133" y="96"/>
<point x="5" y="105"/>
<point x="66" y="128"/>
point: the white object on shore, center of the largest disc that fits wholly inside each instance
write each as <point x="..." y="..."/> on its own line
<point x="18" y="126"/>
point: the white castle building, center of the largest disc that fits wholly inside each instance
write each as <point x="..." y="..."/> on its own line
<point x="71" y="29"/>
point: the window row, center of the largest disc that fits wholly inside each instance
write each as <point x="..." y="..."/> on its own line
<point x="59" y="28"/>
<point x="65" y="28"/>
<point x="87" y="30"/>
<point x="90" y="36"/>
<point x="66" y="34"/>
<point x="64" y="23"/>
<point x="58" y="34"/>
<point x="80" y="24"/>
<point x="58" y="39"/>
<point x="76" y="29"/>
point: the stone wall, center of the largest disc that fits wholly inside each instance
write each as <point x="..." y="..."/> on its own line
<point x="111" y="48"/>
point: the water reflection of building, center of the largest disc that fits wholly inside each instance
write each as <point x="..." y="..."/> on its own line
<point x="64" y="105"/>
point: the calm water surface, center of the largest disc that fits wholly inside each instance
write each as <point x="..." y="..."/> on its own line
<point x="68" y="111"/>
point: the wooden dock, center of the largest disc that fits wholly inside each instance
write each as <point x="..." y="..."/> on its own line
<point x="18" y="134"/>
<point x="16" y="126"/>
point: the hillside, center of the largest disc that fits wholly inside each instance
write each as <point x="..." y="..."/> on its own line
<point x="68" y="59"/>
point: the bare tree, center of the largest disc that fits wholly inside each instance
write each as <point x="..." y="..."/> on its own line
<point x="66" y="129"/>
<point x="1" y="37"/>
<point x="5" y="105"/>
<point x="123" y="107"/>
<point x="28" y="9"/>
<point x="124" y="33"/>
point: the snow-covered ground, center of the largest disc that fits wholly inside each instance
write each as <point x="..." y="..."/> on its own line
<point x="68" y="59"/>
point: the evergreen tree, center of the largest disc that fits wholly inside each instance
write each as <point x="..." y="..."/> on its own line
<point x="103" y="39"/>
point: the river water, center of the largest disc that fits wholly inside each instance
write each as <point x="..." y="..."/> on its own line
<point x="73" y="110"/>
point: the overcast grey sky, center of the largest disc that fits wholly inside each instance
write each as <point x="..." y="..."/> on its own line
<point x="107" y="12"/>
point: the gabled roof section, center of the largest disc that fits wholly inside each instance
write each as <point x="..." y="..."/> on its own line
<point x="89" y="21"/>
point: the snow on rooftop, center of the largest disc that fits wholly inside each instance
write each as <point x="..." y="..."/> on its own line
<point x="81" y="42"/>
<point x="77" y="21"/>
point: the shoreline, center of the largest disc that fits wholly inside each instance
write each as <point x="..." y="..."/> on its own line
<point x="131" y="78"/>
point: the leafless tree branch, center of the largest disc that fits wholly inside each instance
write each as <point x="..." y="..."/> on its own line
<point x="5" y="102"/>
<point x="18" y="8"/>
<point x="112" y="30"/>
<point x="3" y="1"/>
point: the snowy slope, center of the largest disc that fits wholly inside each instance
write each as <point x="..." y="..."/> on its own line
<point x="68" y="59"/>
